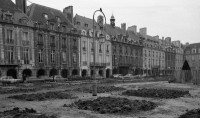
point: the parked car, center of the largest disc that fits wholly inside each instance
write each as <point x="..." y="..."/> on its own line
<point x="129" y="76"/>
<point x="9" y="80"/>
<point x="118" y="76"/>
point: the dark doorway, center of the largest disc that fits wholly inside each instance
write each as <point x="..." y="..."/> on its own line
<point x="75" y="72"/>
<point x="53" y="72"/>
<point x="27" y="72"/>
<point x="12" y="73"/>
<point x="101" y="72"/>
<point x="84" y="73"/>
<point x="40" y="72"/>
<point x="64" y="73"/>
<point x="115" y="71"/>
<point x="107" y="73"/>
<point x="91" y="72"/>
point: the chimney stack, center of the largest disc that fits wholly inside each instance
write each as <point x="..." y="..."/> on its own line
<point x="143" y="32"/>
<point x="123" y="26"/>
<point x="168" y="39"/>
<point x="68" y="13"/>
<point x="21" y="4"/>
<point x="133" y="29"/>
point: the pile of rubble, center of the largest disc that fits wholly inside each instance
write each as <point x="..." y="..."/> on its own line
<point x="156" y="93"/>
<point x="115" y="105"/>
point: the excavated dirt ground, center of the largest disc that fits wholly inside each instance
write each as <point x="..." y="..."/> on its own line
<point x="166" y="108"/>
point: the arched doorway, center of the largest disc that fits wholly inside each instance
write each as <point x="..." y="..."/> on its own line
<point x="137" y="71"/>
<point x="27" y="72"/>
<point x="84" y="73"/>
<point x="107" y="73"/>
<point x="75" y="72"/>
<point x="115" y="71"/>
<point x="40" y="72"/>
<point x="91" y="72"/>
<point x="53" y="72"/>
<point x="64" y="73"/>
<point x="101" y="72"/>
<point x="12" y="72"/>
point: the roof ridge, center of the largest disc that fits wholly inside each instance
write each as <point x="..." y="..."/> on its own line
<point x="47" y="7"/>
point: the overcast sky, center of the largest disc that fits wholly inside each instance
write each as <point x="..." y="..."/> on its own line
<point x="178" y="19"/>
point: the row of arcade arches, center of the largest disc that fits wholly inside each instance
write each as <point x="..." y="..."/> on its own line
<point x="84" y="73"/>
<point x="42" y="72"/>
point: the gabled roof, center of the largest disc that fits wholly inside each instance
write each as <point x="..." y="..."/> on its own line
<point x="114" y="30"/>
<point x="84" y="20"/>
<point x="36" y="13"/>
<point x="8" y="5"/>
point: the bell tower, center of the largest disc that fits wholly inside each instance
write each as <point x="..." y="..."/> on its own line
<point x="112" y="21"/>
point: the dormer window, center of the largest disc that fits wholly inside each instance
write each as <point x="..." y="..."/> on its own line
<point x="58" y="19"/>
<point x="193" y="51"/>
<point x="78" y="23"/>
<point x="51" y="26"/>
<point x="8" y="17"/>
<point x="46" y="16"/>
<point x="86" y="25"/>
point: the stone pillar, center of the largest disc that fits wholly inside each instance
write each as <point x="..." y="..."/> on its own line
<point x="88" y="72"/>
<point x="104" y="72"/>
<point x="34" y="73"/>
<point x="80" y="72"/>
<point x="19" y="73"/>
<point x="47" y="72"/>
<point x="70" y="72"/>
<point x="111" y="72"/>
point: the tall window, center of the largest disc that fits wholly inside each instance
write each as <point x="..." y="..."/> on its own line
<point x="52" y="39"/>
<point x="40" y="56"/>
<point x="100" y="59"/>
<point x="84" y="45"/>
<point x="64" y="42"/>
<point x="74" y="58"/>
<point x="64" y="56"/>
<point x="25" y="36"/>
<point x="107" y="59"/>
<point x="107" y="48"/>
<point x="9" y="36"/>
<point x="92" y="46"/>
<point x="100" y="45"/>
<point x="51" y="26"/>
<point x="120" y="49"/>
<point x="40" y="40"/>
<point x="52" y="56"/>
<point x="10" y="55"/>
<point x="26" y="56"/>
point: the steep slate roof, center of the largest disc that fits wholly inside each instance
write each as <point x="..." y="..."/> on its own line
<point x="132" y="35"/>
<point x="8" y="5"/>
<point x="36" y="12"/>
<point x="114" y="30"/>
<point x="83" y="20"/>
<point x="193" y="45"/>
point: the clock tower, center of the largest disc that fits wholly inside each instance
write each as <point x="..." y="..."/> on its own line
<point x="112" y="21"/>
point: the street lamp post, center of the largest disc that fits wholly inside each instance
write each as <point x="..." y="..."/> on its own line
<point x="94" y="88"/>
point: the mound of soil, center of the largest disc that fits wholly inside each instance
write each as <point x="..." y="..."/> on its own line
<point x="43" y="96"/>
<point x="27" y="113"/>
<point x="156" y="93"/>
<point x="195" y="113"/>
<point x="115" y="105"/>
<point x="100" y="89"/>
